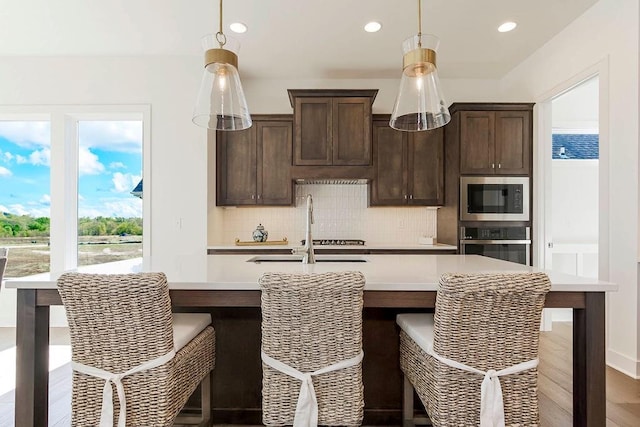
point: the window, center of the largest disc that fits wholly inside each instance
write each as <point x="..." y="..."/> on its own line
<point x="24" y="195"/>
<point x="71" y="186"/>
<point x="109" y="169"/>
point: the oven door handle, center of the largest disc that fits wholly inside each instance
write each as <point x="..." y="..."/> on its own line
<point x="495" y="242"/>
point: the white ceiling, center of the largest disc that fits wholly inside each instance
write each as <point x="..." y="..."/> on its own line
<point x="292" y="38"/>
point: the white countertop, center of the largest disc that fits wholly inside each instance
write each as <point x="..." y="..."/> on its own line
<point x="382" y="272"/>
<point x="434" y="247"/>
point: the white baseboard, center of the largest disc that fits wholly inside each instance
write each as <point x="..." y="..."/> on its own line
<point x="624" y="364"/>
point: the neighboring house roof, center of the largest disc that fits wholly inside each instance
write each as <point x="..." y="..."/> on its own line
<point x="575" y="146"/>
<point x="138" y="190"/>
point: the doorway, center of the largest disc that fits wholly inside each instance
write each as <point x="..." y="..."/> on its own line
<point x="569" y="233"/>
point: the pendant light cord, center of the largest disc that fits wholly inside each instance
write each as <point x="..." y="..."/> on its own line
<point x="419" y="23"/>
<point x="220" y="37"/>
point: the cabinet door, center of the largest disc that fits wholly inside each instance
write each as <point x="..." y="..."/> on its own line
<point x="477" y="148"/>
<point x="389" y="152"/>
<point x="236" y="167"/>
<point x="513" y="142"/>
<point x="426" y="168"/>
<point x="313" y="123"/>
<point x="351" y="131"/>
<point x="274" y="163"/>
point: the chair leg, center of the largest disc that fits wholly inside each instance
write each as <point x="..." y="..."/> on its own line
<point x="204" y="420"/>
<point x="408" y="416"/>
<point x="407" y="404"/>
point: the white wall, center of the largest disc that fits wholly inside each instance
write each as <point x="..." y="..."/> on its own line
<point x="609" y="31"/>
<point x="578" y="108"/>
<point x="575" y="201"/>
<point x="270" y="95"/>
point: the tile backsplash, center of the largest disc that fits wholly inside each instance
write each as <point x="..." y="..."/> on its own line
<point x="340" y="211"/>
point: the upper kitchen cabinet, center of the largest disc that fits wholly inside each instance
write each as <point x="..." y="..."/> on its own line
<point x="494" y="138"/>
<point x="332" y="127"/>
<point x="409" y="166"/>
<point x="254" y="165"/>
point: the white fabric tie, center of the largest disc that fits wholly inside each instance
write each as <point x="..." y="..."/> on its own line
<point x="491" y="402"/>
<point x="106" y="413"/>
<point x="307" y="407"/>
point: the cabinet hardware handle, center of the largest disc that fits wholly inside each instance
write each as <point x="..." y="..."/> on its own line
<point x="493" y="165"/>
<point x="411" y="196"/>
<point x="258" y="196"/>
<point x="499" y="165"/>
<point x="405" y="197"/>
<point x="253" y="196"/>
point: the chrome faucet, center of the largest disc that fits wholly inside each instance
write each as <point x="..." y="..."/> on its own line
<point x="307" y="250"/>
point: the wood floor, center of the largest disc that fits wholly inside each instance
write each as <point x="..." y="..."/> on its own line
<point x="623" y="393"/>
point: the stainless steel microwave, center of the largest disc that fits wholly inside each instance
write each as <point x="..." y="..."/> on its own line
<point x="494" y="198"/>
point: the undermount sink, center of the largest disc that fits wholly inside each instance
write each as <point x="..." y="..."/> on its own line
<point x="298" y="258"/>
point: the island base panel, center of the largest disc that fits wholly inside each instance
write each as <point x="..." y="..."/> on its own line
<point x="237" y="377"/>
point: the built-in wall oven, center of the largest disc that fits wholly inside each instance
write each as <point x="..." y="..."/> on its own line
<point x="494" y="198"/>
<point x="506" y="243"/>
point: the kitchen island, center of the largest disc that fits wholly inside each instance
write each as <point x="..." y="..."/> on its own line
<point x="395" y="283"/>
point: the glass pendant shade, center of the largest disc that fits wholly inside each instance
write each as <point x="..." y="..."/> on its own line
<point x="420" y="104"/>
<point x="221" y="104"/>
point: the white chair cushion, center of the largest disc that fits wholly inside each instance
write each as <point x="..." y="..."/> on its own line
<point x="186" y="326"/>
<point x="419" y="327"/>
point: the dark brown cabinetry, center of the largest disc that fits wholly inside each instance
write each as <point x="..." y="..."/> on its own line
<point x="254" y="165"/>
<point x="332" y="127"/>
<point x="409" y="167"/>
<point x="495" y="139"/>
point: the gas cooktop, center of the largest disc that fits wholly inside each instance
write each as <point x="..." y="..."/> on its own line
<point x="339" y="242"/>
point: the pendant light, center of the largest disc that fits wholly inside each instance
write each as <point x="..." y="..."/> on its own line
<point x="221" y="104"/>
<point x="420" y="104"/>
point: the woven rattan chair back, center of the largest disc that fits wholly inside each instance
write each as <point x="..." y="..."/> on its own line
<point x="310" y="321"/>
<point x="117" y="322"/>
<point x="487" y="321"/>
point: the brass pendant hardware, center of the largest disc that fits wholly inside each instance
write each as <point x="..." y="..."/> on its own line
<point x="222" y="56"/>
<point x="419" y="62"/>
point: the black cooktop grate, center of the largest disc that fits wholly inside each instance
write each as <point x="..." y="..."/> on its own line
<point x="336" y="242"/>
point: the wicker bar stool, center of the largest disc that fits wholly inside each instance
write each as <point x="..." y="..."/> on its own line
<point x="124" y="337"/>
<point x="312" y="349"/>
<point x="475" y="361"/>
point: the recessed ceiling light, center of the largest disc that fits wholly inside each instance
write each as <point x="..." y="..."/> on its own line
<point x="238" y="27"/>
<point x="373" y="27"/>
<point x="507" y="26"/>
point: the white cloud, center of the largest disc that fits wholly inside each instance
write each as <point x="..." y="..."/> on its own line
<point x="122" y="136"/>
<point x="4" y="171"/>
<point x="18" y="209"/>
<point x="124" y="182"/>
<point x="27" y="134"/>
<point x="117" y="165"/>
<point x="40" y="157"/>
<point x="127" y="208"/>
<point x="45" y="199"/>
<point x="8" y="156"/>
<point x="88" y="163"/>
<point x="21" y="159"/>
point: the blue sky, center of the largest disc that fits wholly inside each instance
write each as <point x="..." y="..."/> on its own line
<point x="110" y="165"/>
